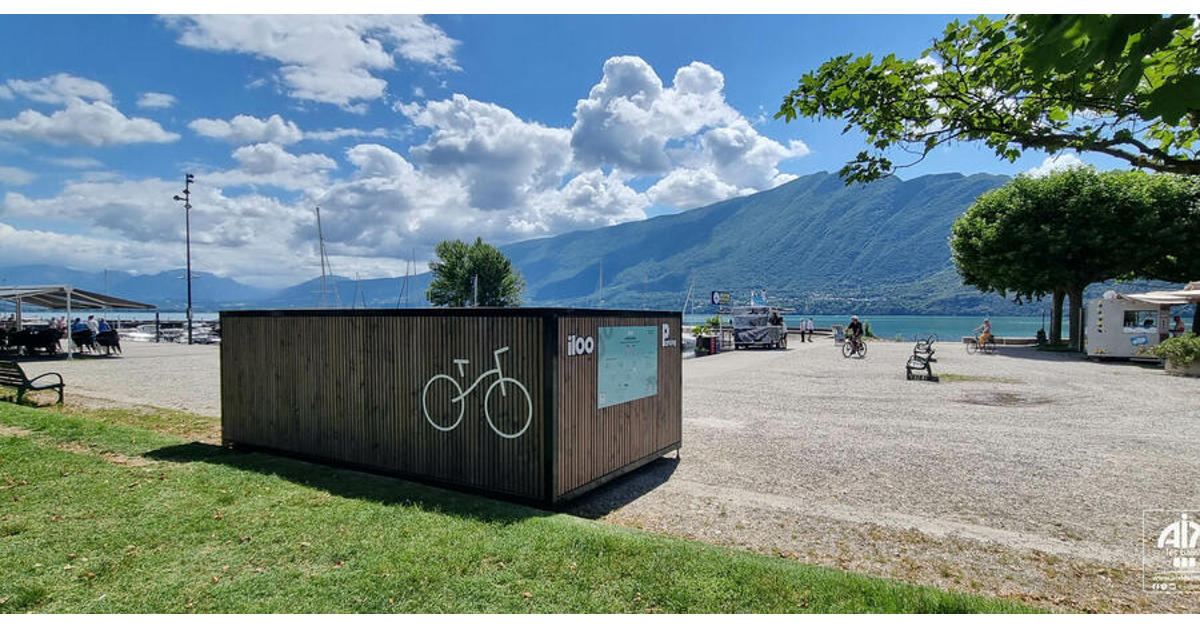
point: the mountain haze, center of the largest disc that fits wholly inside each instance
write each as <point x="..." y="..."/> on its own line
<point x="815" y="244"/>
<point x="166" y="289"/>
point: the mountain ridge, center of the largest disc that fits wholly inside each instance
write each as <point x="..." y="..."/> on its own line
<point x="799" y="241"/>
<point x="813" y="243"/>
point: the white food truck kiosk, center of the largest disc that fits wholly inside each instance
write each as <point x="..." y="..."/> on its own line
<point x="1127" y="325"/>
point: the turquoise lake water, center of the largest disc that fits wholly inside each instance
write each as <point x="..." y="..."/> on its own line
<point x="887" y="327"/>
<point x="946" y="327"/>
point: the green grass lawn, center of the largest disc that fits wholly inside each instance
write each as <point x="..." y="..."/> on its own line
<point x="99" y="516"/>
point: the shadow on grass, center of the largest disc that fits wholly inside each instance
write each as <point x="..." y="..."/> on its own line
<point x="389" y="490"/>
<point x="623" y="490"/>
<point x="352" y="484"/>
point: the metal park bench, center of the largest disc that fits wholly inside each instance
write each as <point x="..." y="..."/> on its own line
<point x="918" y="365"/>
<point x="13" y="376"/>
<point x="924" y="347"/>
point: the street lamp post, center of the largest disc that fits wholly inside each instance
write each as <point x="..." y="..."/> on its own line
<point x="187" y="221"/>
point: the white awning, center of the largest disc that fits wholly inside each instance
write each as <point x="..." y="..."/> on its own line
<point x="55" y="298"/>
<point x="1190" y="294"/>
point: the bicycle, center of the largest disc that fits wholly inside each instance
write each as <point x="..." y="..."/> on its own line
<point x="854" y="347"/>
<point x="988" y="347"/>
<point x="501" y="381"/>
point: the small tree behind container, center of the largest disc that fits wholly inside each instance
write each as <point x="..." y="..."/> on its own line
<point x="473" y="274"/>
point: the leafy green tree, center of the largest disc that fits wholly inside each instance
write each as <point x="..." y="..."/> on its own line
<point x="1060" y="233"/>
<point x="1125" y="86"/>
<point x="460" y="265"/>
<point x="1177" y="240"/>
<point x="998" y="245"/>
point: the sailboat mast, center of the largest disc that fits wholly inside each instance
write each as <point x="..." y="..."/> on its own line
<point x="327" y="279"/>
<point x="407" y="280"/>
<point x="323" y="303"/>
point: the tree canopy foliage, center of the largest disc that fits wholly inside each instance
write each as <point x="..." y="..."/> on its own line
<point x="1062" y="232"/>
<point x="460" y="265"/>
<point x="1127" y="86"/>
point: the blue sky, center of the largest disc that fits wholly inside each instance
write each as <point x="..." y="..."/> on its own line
<point x="406" y="130"/>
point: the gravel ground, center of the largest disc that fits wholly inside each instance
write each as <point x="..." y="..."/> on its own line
<point x="1022" y="474"/>
<point x="166" y="375"/>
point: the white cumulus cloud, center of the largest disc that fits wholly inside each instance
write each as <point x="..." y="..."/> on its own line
<point x="591" y="199"/>
<point x="1055" y="163"/>
<point x="687" y="188"/>
<point x="341" y="132"/>
<point x="705" y="149"/>
<point x="76" y="162"/>
<point x="499" y="158"/>
<point x="374" y="160"/>
<point x="269" y="158"/>
<point x="155" y="100"/>
<point x="476" y="169"/>
<point x="743" y="157"/>
<point x="88" y="123"/>
<point x="10" y="175"/>
<point x="244" y="129"/>
<point x="629" y="117"/>
<point x="268" y="164"/>
<point x="133" y="225"/>
<point x="324" y="58"/>
<point x="56" y="89"/>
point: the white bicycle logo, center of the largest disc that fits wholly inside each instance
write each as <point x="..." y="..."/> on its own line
<point x="460" y="398"/>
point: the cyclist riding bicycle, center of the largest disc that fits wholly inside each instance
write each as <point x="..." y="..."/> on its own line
<point x="854" y="331"/>
<point x="984" y="331"/>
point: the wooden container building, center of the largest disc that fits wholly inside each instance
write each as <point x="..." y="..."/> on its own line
<point x="532" y="404"/>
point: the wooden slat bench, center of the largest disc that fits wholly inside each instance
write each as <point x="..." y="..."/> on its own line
<point x="13" y="376"/>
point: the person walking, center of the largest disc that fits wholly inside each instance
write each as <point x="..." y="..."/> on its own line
<point x="808" y="327"/>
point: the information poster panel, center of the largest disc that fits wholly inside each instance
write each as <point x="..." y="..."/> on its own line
<point x="628" y="366"/>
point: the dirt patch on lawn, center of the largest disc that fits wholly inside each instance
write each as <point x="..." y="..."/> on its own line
<point x="166" y="421"/>
<point x="12" y="430"/>
<point x="75" y="447"/>
<point x="113" y="457"/>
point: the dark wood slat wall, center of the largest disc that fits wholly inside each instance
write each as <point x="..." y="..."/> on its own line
<point x="346" y="386"/>
<point x="348" y="389"/>
<point x="592" y="441"/>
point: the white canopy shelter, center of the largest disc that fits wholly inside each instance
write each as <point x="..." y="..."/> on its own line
<point x="1190" y="294"/>
<point x="65" y="298"/>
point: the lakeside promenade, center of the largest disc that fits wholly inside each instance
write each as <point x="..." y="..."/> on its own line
<point x="1021" y="475"/>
